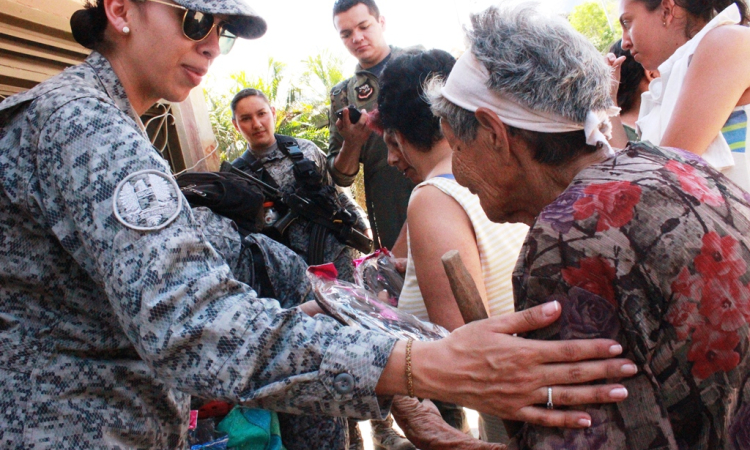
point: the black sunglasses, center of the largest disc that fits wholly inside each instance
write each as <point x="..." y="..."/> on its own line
<point x="197" y="26"/>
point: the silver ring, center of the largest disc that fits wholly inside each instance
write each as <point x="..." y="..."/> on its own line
<point x="549" y="399"/>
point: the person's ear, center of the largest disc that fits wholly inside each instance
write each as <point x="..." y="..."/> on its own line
<point x="651" y="75"/>
<point x="118" y="15"/>
<point x="667" y="7"/>
<point x="492" y="131"/>
<point x="236" y="127"/>
<point x="381" y="20"/>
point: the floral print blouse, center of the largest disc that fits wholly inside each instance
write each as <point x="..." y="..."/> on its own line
<point x="651" y="248"/>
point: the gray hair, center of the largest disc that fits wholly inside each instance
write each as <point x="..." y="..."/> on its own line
<point x="535" y="59"/>
<point x="463" y="123"/>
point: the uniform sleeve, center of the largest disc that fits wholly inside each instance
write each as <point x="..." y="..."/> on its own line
<point x="286" y="271"/>
<point x="335" y="140"/>
<point x="108" y="198"/>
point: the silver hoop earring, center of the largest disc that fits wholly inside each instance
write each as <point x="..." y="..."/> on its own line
<point x="126" y="30"/>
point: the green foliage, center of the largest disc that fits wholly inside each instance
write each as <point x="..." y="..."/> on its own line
<point x="591" y="20"/>
<point x="322" y="73"/>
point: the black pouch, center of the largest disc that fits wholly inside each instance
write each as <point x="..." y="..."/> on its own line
<point x="226" y="194"/>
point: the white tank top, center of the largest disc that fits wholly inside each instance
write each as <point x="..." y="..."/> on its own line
<point x="658" y="104"/>
<point x="499" y="246"/>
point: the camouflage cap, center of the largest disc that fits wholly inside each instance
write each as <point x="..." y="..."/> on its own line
<point x="249" y="24"/>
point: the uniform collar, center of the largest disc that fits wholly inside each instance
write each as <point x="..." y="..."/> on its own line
<point x="112" y="85"/>
<point x="390" y="54"/>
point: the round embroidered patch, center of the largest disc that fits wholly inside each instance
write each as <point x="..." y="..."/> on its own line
<point x="147" y="200"/>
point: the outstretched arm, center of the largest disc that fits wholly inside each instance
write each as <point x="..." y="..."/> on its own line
<point x="484" y="367"/>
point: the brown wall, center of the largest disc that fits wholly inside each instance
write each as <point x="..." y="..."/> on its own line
<point x="35" y="42"/>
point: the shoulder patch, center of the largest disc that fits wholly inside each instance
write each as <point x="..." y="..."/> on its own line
<point x="365" y="91"/>
<point x="147" y="200"/>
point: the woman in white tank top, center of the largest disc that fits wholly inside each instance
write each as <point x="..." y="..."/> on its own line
<point x="442" y="214"/>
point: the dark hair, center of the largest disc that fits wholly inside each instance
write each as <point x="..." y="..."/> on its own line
<point x="248" y="92"/>
<point x="401" y="102"/>
<point x="554" y="149"/>
<point x="345" y="5"/>
<point x="703" y="9"/>
<point x="631" y="74"/>
<point x="88" y="24"/>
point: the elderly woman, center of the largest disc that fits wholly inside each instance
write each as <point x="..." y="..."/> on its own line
<point x="648" y="246"/>
<point x="115" y="308"/>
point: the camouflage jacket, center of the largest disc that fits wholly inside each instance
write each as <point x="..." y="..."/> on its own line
<point x="386" y="189"/>
<point x="280" y="167"/>
<point x="114" y="306"/>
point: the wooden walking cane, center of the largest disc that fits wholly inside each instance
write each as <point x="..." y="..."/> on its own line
<point x="464" y="289"/>
<point x="469" y="303"/>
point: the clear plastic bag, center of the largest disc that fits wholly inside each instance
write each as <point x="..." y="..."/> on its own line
<point x="377" y="273"/>
<point x="356" y="306"/>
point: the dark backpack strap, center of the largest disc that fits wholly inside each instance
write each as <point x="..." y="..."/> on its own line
<point x="244" y="161"/>
<point x="261" y="280"/>
<point x="289" y="147"/>
<point x="306" y="173"/>
<point x="247" y="162"/>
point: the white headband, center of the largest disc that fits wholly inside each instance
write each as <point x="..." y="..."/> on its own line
<point x="467" y="87"/>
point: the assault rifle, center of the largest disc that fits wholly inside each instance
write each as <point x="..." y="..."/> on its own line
<point x="291" y="205"/>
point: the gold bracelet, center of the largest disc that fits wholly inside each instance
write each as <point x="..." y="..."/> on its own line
<point x="409" y="378"/>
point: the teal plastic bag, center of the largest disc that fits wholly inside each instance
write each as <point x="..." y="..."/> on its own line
<point x="251" y="429"/>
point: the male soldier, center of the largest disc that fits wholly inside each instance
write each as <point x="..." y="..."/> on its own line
<point x="255" y="119"/>
<point x="387" y="191"/>
<point x="361" y="27"/>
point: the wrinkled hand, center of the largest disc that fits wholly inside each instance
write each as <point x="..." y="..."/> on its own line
<point x="483" y="367"/>
<point x="424" y="427"/>
<point x="615" y="65"/>
<point x="354" y="134"/>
